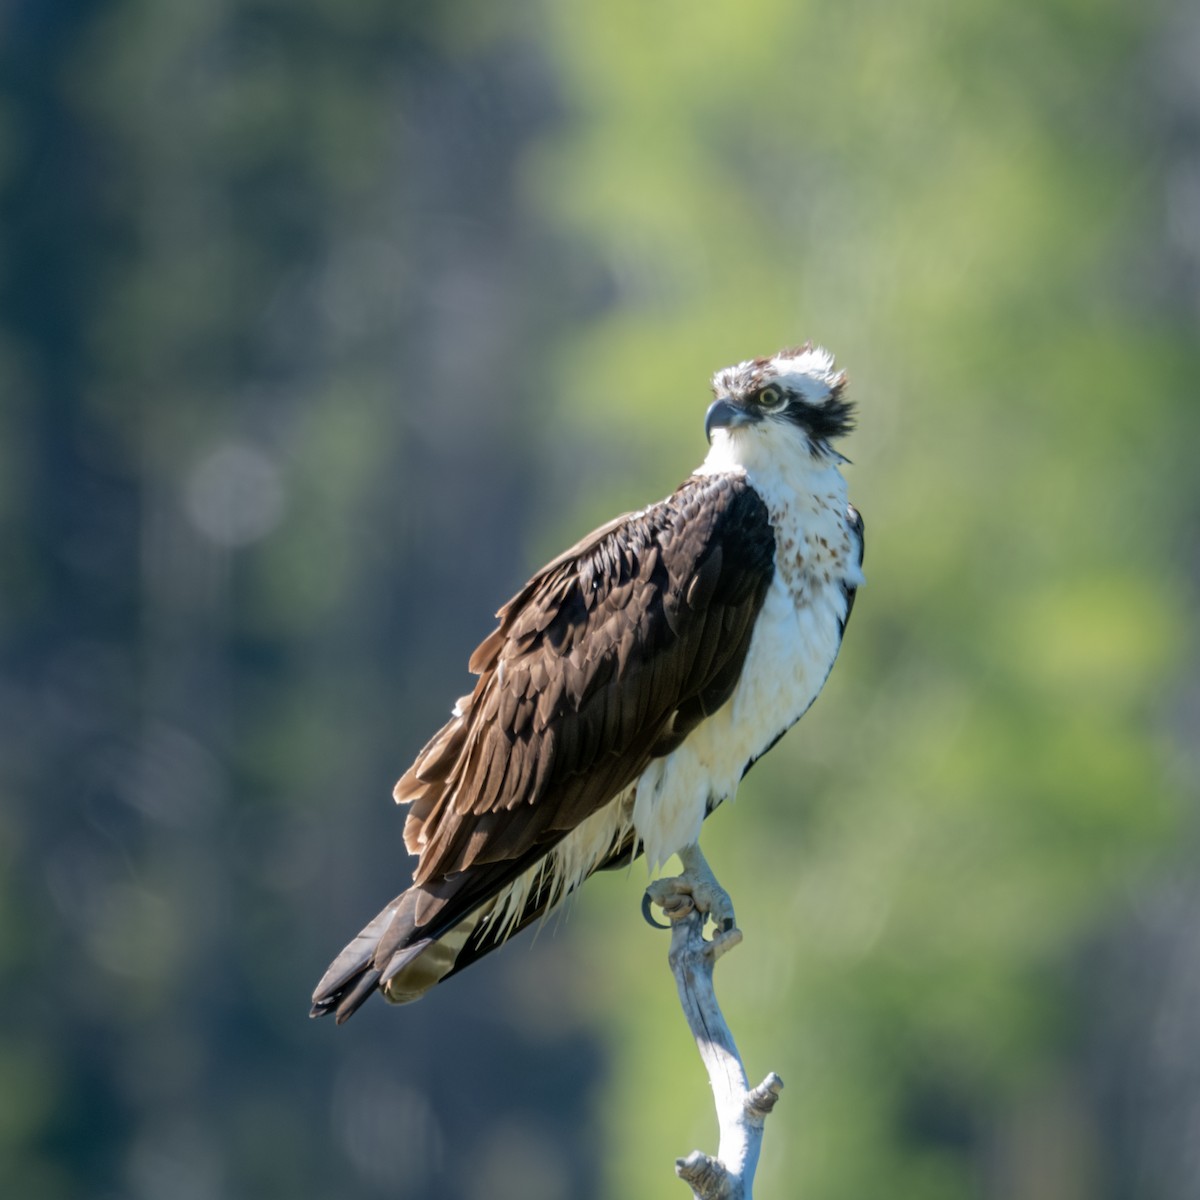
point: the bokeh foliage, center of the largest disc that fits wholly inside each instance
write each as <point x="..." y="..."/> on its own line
<point x="321" y="324"/>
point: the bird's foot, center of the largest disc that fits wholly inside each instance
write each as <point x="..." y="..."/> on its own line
<point x="696" y="890"/>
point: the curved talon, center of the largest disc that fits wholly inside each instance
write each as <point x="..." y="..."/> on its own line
<point x="648" y="914"/>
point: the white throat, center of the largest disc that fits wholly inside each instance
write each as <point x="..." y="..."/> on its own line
<point x="773" y="460"/>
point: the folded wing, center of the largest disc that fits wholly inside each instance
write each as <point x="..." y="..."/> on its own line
<point x="608" y="657"/>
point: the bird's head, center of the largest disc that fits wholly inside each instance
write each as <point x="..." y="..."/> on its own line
<point x="796" y="394"/>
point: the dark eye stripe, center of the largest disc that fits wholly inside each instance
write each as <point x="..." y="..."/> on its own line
<point x="831" y="419"/>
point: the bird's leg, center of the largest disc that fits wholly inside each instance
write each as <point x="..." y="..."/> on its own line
<point x="696" y="889"/>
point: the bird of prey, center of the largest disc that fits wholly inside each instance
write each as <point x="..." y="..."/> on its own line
<point x="628" y="687"/>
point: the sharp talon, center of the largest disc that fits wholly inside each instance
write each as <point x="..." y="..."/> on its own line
<point x="648" y="913"/>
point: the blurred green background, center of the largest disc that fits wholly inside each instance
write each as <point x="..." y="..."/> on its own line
<point x="323" y="323"/>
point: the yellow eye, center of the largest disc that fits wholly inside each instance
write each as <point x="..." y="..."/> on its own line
<point x="770" y="398"/>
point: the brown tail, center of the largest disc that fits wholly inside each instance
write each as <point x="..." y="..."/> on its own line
<point x="415" y="942"/>
<point x="404" y="956"/>
<point x="355" y="974"/>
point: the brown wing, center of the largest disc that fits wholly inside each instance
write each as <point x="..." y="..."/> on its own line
<point x="605" y="659"/>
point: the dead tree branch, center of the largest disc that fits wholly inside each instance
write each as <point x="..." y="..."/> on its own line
<point x="741" y="1110"/>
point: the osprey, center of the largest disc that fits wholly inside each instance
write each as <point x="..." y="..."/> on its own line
<point x="628" y="687"/>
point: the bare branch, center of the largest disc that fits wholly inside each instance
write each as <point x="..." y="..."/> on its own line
<point x="741" y="1110"/>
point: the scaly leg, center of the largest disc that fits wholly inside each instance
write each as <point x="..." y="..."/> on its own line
<point x="696" y="889"/>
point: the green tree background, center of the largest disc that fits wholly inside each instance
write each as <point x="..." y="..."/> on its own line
<point x="322" y="324"/>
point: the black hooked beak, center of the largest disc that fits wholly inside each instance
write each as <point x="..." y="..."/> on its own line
<point x="723" y="414"/>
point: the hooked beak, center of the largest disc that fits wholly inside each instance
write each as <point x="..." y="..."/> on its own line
<point x="723" y="414"/>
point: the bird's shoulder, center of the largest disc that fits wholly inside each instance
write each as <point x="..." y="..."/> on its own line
<point x="712" y="529"/>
